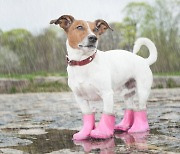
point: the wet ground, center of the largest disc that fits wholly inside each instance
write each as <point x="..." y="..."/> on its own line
<point x="45" y="122"/>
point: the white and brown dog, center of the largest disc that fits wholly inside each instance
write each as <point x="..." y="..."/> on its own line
<point x="96" y="75"/>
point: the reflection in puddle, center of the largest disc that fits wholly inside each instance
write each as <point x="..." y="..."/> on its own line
<point x="135" y="140"/>
<point x="130" y="142"/>
<point x="61" y="140"/>
<point x="52" y="141"/>
<point x="104" y="146"/>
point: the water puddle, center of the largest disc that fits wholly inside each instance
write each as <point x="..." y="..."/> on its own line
<point x="60" y="141"/>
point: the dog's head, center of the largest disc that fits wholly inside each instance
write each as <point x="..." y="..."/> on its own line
<point x="82" y="34"/>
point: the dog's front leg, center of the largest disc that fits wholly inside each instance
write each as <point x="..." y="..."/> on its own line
<point x="83" y="104"/>
<point x="88" y="119"/>
<point x="105" y="128"/>
<point x="108" y="102"/>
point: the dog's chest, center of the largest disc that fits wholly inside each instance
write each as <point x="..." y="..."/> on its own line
<point x="83" y="86"/>
<point x="87" y="91"/>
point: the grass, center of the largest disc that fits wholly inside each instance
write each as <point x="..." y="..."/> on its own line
<point x="46" y="87"/>
<point x="36" y="87"/>
<point x="43" y="87"/>
<point x="168" y="74"/>
<point x="31" y="76"/>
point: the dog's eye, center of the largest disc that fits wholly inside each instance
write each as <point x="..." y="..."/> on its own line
<point x="96" y="29"/>
<point x="79" y="27"/>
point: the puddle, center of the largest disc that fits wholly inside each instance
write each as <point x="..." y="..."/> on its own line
<point x="60" y="141"/>
<point x="53" y="140"/>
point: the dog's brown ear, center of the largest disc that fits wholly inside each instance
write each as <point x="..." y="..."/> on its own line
<point x="102" y="26"/>
<point x="64" y="21"/>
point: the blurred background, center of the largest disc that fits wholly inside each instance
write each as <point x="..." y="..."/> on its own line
<point x="29" y="45"/>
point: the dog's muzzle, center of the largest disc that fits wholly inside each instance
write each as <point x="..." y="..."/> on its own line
<point x="89" y="43"/>
<point x="92" y="39"/>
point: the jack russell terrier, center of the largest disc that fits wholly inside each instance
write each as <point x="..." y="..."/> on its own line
<point x="95" y="75"/>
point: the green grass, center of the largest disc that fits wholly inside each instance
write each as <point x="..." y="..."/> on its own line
<point x="46" y="87"/>
<point x="168" y="74"/>
<point x="43" y="87"/>
<point x="31" y="76"/>
<point x="37" y="87"/>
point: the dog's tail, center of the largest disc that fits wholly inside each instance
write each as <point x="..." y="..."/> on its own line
<point x="150" y="45"/>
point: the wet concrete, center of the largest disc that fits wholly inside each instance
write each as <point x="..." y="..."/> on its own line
<point x="45" y="122"/>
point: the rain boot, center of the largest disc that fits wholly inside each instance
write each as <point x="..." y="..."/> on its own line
<point x="140" y="122"/>
<point x="105" y="128"/>
<point x="88" y="126"/>
<point x="127" y="121"/>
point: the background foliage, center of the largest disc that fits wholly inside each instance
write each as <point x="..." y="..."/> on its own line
<point x="21" y="52"/>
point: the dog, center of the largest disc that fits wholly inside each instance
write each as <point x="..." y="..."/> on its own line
<point x="94" y="75"/>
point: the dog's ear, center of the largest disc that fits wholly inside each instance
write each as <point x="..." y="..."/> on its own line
<point x="102" y="26"/>
<point x="64" y="21"/>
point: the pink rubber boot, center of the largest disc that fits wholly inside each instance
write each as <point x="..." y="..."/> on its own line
<point x="140" y="122"/>
<point x="127" y="121"/>
<point x="88" y="126"/>
<point x="105" y="128"/>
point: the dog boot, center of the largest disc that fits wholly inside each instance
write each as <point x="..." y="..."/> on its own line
<point x="88" y="126"/>
<point x="140" y="122"/>
<point x="105" y="128"/>
<point x="126" y="122"/>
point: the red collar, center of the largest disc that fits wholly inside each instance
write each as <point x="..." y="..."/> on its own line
<point x="82" y="62"/>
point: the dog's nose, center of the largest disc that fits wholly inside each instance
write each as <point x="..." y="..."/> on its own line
<point x="92" y="38"/>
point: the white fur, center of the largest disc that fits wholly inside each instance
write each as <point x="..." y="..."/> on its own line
<point x="152" y="49"/>
<point x="108" y="73"/>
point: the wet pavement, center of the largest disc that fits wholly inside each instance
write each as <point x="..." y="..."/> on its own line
<point x="45" y="122"/>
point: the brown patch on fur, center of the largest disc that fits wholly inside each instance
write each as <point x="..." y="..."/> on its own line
<point x="131" y="83"/>
<point x="75" y="36"/>
<point x="129" y="94"/>
<point x="92" y="26"/>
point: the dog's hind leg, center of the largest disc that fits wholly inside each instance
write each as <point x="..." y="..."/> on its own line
<point x="140" y="123"/>
<point x="128" y="117"/>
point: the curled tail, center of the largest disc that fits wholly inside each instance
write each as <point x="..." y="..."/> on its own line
<point x="151" y="47"/>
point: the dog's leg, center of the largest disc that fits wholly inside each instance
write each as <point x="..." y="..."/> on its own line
<point x="128" y="117"/>
<point x="140" y="115"/>
<point x="130" y="92"/>
<point x="108" y="102"/>
<point x="88" y="120"/>
<point x="83" y="104"/>
<point x="105" y="128"/>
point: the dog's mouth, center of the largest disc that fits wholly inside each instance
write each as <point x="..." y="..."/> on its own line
<point x="87" y="46"/>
